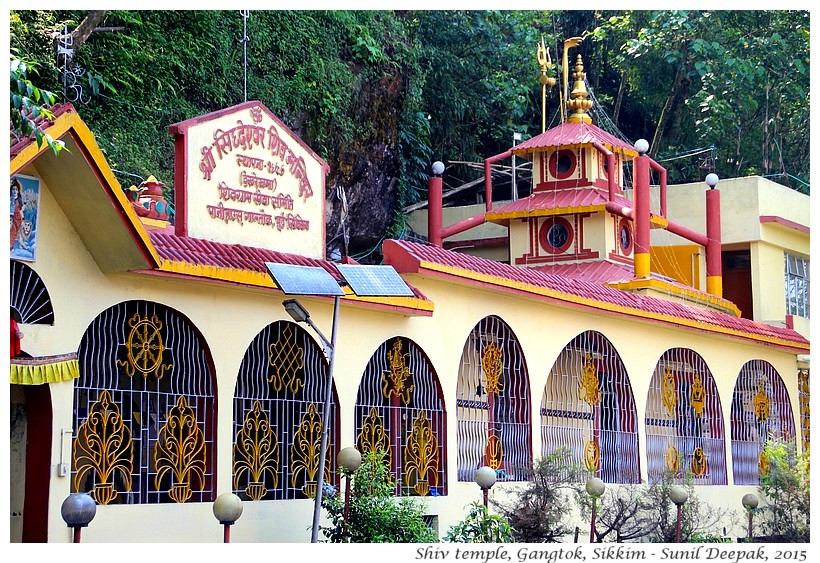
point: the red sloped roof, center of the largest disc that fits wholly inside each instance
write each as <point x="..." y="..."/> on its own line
<point x="409" y="257"/>
<point x="574" y="134"/>
<point x="555" y="199"/>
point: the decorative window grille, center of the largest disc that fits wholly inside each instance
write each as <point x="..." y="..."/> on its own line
<point x="493" y="404"/>
<point x="588" y="408"/>
<point x="30" y="301"/>
<point x="144" y="409"/>
<point x="797" y="286"/>
<point x="803" y="390"/>
<point x="684" y="424"/>
<point x="400" y="411"/>
<point x="277" y="412"/>
<point x="761" y="411"/>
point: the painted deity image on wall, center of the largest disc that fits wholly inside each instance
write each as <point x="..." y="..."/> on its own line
<point x="23" y="214"/>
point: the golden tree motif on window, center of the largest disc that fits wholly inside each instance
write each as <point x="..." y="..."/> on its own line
<point x="373" y="437"/>
<point x="304" y="452"/>
<point x="492" y="364"/>
<point x="396" y="380"/>
<point x="672" y="459"/>
<point x="592" y="455"/>
<point x="256" y="453"/>
<point x="421" y="456"/>
<point x="286" y="358"/>
<point x="144" y="347"/>
<point x="588" y="383"/>
<point x="103" y="447"/>
<point x="670" y="396"/>
<point x="180" y="453"/>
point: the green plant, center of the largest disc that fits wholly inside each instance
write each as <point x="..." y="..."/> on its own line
<point x="540" y="511"/>
<point x="28" y="103"/>
<point x="479" y="526"/>
<point x="375" y="514"/>
<point x="785" y="490"/>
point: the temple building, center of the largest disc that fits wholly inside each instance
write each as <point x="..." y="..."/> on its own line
<point x="154" y="367"/>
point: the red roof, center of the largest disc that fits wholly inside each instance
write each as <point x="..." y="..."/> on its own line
<point x="18" y="144"/>
<point x="409" y="257"/>
<point x="551" y="200"/>
<point x="574" y="134"/>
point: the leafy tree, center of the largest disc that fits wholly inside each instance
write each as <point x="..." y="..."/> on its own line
<point x="29" y="106"/>
<point x="375" y="514"/>
<point x="622" y="514"/>
<point x="785" y="489"/>
<point x="479" y="526"/>
<point x="539" y="511"/>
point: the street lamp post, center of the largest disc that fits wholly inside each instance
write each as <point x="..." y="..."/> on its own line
<point x="749" y="503"/>
<point x="595" y="488"/>
<point x="485" y="478"/>
<point x="299" y="314"/>
<point x="350" y="459"/>
<point x="227" y="509"/>
<point x="679" y="496"/>
<point x="78" y="510"/>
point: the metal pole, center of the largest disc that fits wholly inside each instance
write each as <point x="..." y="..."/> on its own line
<point x="320" y="479"/>
<point x="347" y="508"/>
<point x="514" y="185"/>
<point x="77" y="532"/>
<point x="226" y="536"/>
<point x="486" y="497"/>
<point x="677" y="532"/>
<point x="749" y="538"/>
<point x="592" y="524"/>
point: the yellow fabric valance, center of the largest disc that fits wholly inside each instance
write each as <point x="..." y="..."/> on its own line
<point x="44" y="369"/>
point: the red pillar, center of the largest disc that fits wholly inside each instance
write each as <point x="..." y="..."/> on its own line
<point x="434" y="213"/>
<point x="641" y="259"/>
<point x="714" y="266"/>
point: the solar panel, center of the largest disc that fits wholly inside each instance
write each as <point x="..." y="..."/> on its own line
<point x="374" y="281"/>
<point x="303" y="280"/>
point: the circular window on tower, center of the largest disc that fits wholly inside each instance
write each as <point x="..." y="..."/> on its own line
<point x="555" y="235"/>
<point x="625" y="236"/>
<point x="562" y="164"/>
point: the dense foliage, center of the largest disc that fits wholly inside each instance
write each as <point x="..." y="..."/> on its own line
<point x="786" y="492"/>
<point x="479" y="526"/>
<point x="389" y="91"/>
<point x="375" y="515"/>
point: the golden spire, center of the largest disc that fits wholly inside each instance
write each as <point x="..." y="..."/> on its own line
<point x="544" y="60"/>
<point x="571" y="42"/>
<point x="578" y="99"/>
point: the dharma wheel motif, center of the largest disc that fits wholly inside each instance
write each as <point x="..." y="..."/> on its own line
<point x="144" y="347"/>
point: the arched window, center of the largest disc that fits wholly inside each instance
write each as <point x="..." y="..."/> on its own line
<point x="278" y="416"/>
<point x="493" y="404"/>
<point x="684" y="421"/>
<point x="760" y="411"/>
<point x="588" y="407"/>
<point x="400" y="411"/>
<point x="144" y="408"/>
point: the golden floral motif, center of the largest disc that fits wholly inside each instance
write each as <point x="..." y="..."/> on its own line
<point x="180" y="452"/>
<point x="305" y="450"/>
<point x="492" y="365"/>
<point x="588" y="384"/>
<point x="395" y="381"/>
<point x="698" y="396"/>
<point x="144" y="347"/>
<point x="672" y="459"/>
<point x="256" y="453"/>
<point x="103" y="447"/>
<point x="763" y="464"/>
<point x="373" y="438"/>
<point x="421" y="456"/>
<point x="592" y="455"/>
<point x="286" y="358"/>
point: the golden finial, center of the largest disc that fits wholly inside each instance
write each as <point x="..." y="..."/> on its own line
<point x="578" y="99"/>
<point x="545" y="62"/>
<point x="568" y="43"/>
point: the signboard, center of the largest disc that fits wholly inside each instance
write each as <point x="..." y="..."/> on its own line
<point x="248" y="180"/>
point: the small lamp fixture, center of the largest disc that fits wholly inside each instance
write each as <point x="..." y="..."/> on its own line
<point x="750" y="502"/>
<point x="485" y="478"/>
<point x="78" y="510"/>
<point x="438" y="168"/>
<point x="296" y="311"/>
<point x="642" y="146"/>
<point x="227" y="509"/>
<point x="595" y="488"/>
<point x="679" y="496"/>
<point x="712" y="180"/>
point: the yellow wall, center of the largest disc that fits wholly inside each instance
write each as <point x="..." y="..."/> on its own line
<point x="229" y="317"/>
